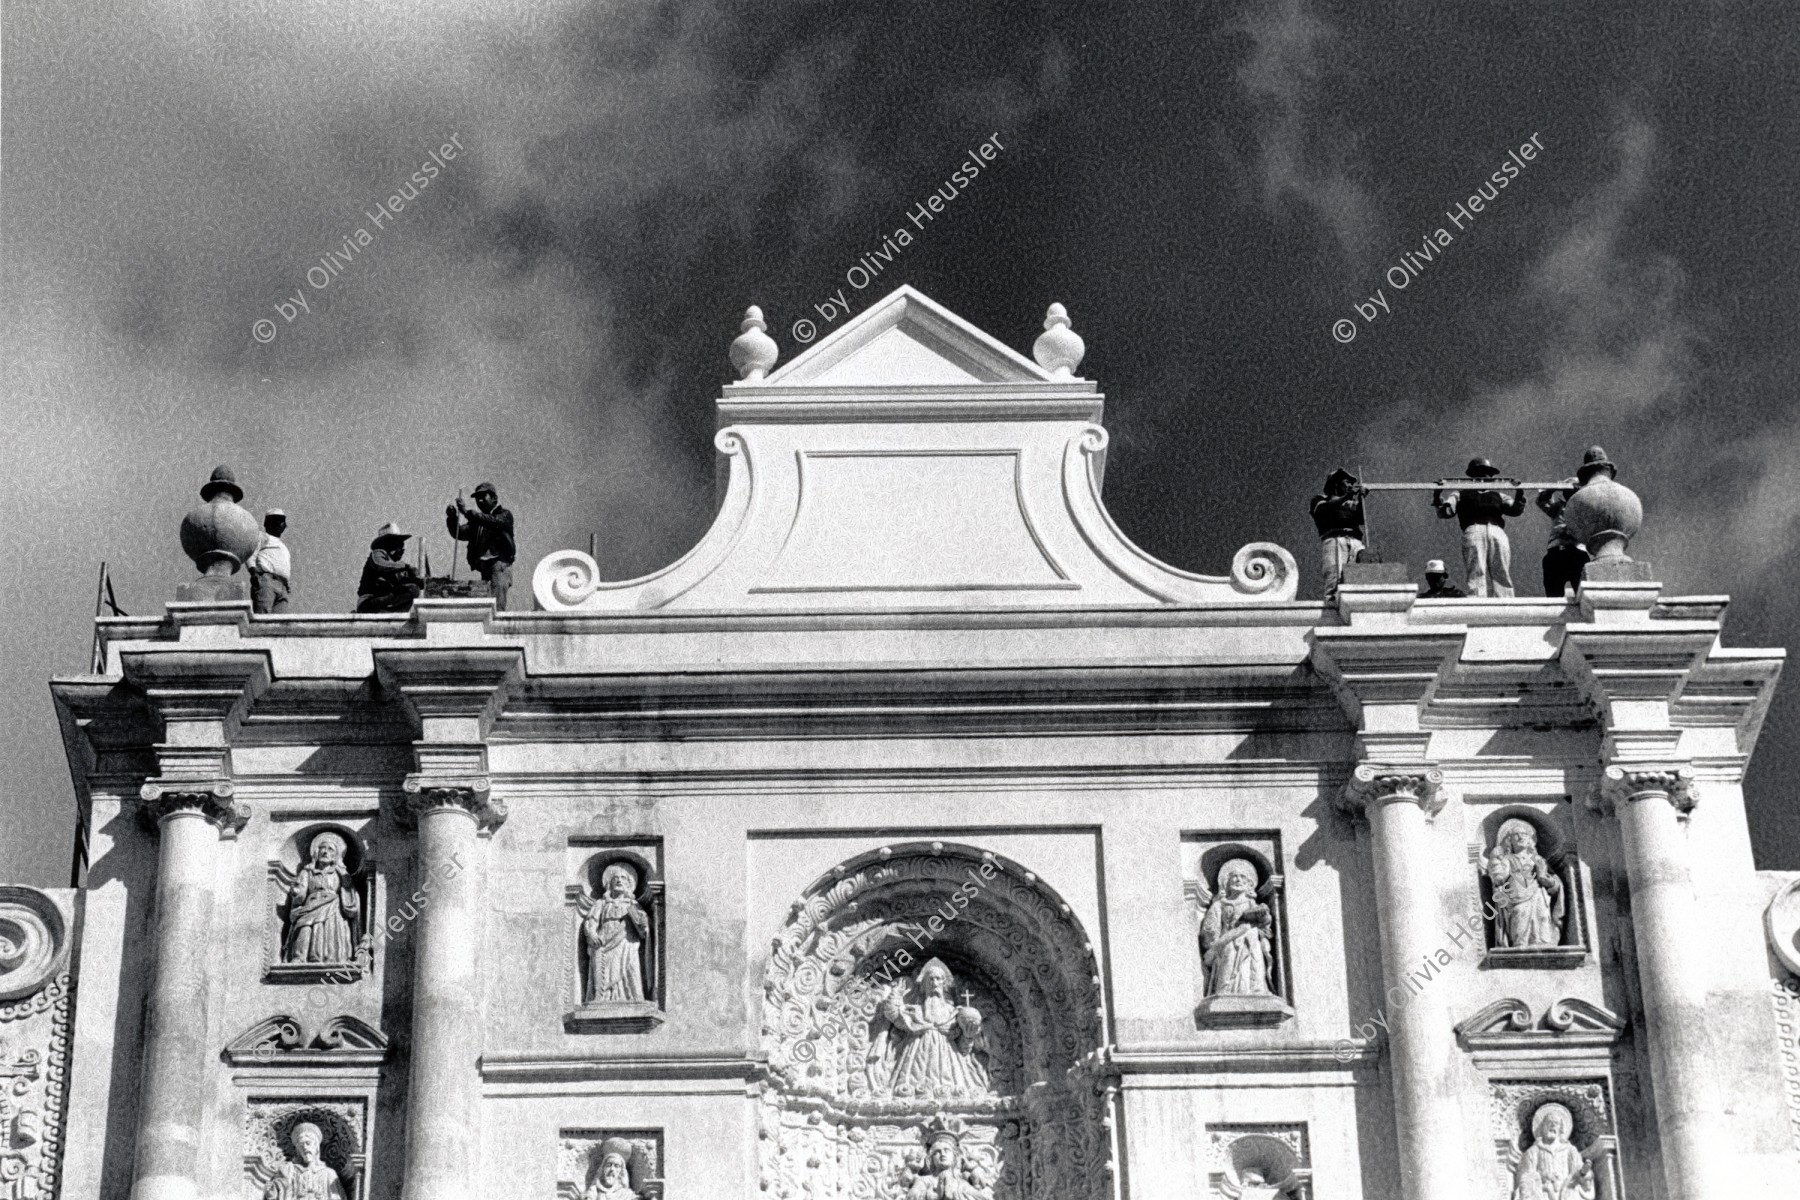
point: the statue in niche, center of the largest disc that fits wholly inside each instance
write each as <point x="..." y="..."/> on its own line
<point x="1528" y="897"/>
<point x="925" y="1045"/>
<point x="614" y="930"/>
<point x="612" y="1179"/>
<point x="943" y="1171"/>
<point x="323" y="906"/>
<point x="1552" y="1168"/>
<point x="309" y="1178"/>
<point x="1235" y="936"/>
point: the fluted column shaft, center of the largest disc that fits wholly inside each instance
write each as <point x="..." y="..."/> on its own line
<point x="1672" y="972"/>
<point x="176" y="1059"/>
<point x="1422" y="1042"/>
<point x="443" y="1099"/>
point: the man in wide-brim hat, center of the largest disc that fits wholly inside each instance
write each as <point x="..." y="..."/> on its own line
<point x="1338" y="516"/>
<point x="1565" y="558"/>
<point x="389" y="583"/>
<point x="1487" y="555"/>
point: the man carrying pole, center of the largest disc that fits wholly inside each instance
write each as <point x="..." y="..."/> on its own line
<point x="488" y="528"/>
<point x="1487" y="555"/>
<point x="1338" y="514"/>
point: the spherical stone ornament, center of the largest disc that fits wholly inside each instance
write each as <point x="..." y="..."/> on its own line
<point x="753" y="351"/>
<point x="1059" y="349"/>
<point x="220" y="536"/>
<point x="1605" y="515"/>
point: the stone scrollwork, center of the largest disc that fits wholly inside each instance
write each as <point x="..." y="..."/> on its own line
<point x="1787" y="1031"/>
<point x="34" y="1040"/>
<point x="1263" y="568"/>
<point x="1629" y="783"/>
<point x="571" y="575"/>
<point x="211" y="799"/>
<point x="918" y="987"/>
<point x="1373" y="784"/>
<point x="470" y="794"/>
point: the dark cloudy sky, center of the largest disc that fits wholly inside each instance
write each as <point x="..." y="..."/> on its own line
<point x="1208" y="187"/>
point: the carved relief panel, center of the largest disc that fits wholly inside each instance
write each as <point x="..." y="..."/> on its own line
<point x="1233" y="886"/>
<point x="610" y="1164"/>
<point x="1258" y="1162"/>
<point x="1555" y="1139"/>
<point x="617" y="980"/>
<point x="36" y="992"/>
<point x="306" y="1148"/>
<point x="322" y="908"/>
<point x="1530" y="888"/>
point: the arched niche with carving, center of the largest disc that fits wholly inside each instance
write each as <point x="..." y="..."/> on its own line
<point x="928" y="982"/>
<point x="1235" y="893"/>
<point x="1534" y="912"/>
<point x="321" y="907"/>
<point x="616" y="906"/>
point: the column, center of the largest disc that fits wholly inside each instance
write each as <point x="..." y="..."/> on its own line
<point x="1649" y="800"/>
<point x="176" y="1062"/>
<point x="444" y="1088"/>
<point x="1398" y="799"/>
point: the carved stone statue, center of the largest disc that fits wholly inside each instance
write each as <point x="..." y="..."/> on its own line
<point x="614" y="930"/>
<point x="309" y="1178"/>
<point x="943" y="1172"/>
<point x="925" y="1045"/>
<point x="1234" y="936"/>
<point x="612" y="1180"/>
<point x="1552" y="1168"/>
<point x="323" y="907"/>
<point x="1527" y="894"/>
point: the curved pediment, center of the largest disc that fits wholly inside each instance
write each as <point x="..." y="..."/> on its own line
<point x="911" y="461"/>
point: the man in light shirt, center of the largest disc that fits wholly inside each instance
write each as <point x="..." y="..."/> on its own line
<point x="271" y="567"/>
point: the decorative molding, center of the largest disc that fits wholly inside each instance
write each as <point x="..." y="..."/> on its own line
<point x="1635" y="782"/>
<point x="34" y="1069"/>
<point x="343" y="1041"/>
<point x="211" y="799"/>
<point x="1569" y="1022"/>
<point x="468" y="794"/>
<point x="34" y="942"/>
<point x="1781" y="923"/>
<point x="1786" y="996"/>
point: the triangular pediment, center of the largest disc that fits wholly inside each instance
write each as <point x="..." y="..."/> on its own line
<point x="907" y="340"/>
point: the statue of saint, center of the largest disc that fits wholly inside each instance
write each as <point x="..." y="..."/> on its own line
<point x="1552" y="1169"/>
<point x="614" y="929"/>
<point x="1234" y="936"/>
<point x="942" y="1172"/>
<point x="1527" y="895"/>
<point x="925" y="1044"/>
<point x="311" y="1178"/>
<point x="612" y="1181"/>
<point x="323" y="907"/>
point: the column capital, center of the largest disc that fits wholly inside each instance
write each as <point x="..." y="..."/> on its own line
<point x="1622" y="783"/>
<point x="212" y="799"/>
<point x="1373" y="784"/>
<point x="471" y="794"/>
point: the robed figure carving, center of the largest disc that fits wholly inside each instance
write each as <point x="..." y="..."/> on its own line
<point x="323" y="906"/>
<point x="1552" y="1168"/>
<point x="926" y="1046"/>
<point x="1528" y="897"/>
<point x="612" y="1180"/>
<point x="307" y="1176"/>
<point x="944" y="1171"/>
<point x="614" y="931"/>
<point x="1235" y="936"/>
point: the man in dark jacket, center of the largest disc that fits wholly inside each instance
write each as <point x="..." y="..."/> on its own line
<point x="389" y="583"/>
<point x="488" y="529"/>
<point x="1338" y="515"/>
<point x="1487" y="555"/>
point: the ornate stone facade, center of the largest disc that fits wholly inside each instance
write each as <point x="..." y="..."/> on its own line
<point x="915" y="837"/>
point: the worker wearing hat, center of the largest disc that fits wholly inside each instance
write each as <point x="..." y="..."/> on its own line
<point x="271" y="567"/>
<point x="488" y="528"/>
<point x="1338" y="515"/>
<point x="389" y="583"/>
<point x="1565" y="558"/>
<point x="1437" y="585"/>
<point x="1482" y="513"/>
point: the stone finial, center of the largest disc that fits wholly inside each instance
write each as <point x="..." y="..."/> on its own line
<point x="220" y="537"/>
<point x="1603" y="513"/>
<point x="753" y="351"/>
<point x="1058" y="349"/>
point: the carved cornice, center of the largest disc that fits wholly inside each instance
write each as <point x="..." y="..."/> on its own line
<point x="471" y="794"/>
<point x="1627" y="782"/>
<point x="1569" y="1022"/>
<point x="1375" y="784"/>
<point x="212" y="799"/>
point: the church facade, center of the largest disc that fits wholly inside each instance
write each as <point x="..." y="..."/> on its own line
<point x="914" y="836"/>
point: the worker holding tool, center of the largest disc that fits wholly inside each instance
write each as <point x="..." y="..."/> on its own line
<point x="488" y="528"/>
<point x="1482" y="513"/>
<point x="1338" y="514"/>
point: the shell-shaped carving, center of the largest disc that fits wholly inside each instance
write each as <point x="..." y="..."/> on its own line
<point x="32" y="937"/>
<point x="1264" y="567"/>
